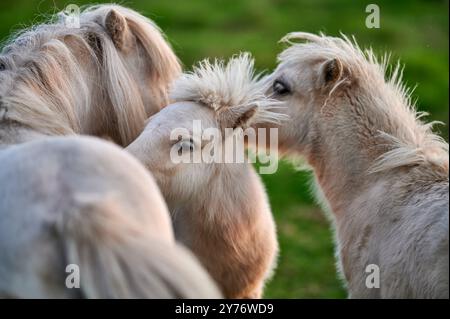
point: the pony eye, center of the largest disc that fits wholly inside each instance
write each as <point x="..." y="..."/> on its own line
<point x="280" y="88"/>
<point x="185" y="146"/>
<point x="2" y="66"/>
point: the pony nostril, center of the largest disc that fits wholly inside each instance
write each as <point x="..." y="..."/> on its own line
<point x="2" y="66"/>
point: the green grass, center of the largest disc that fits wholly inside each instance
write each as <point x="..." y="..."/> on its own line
<point x="416" y="32"/>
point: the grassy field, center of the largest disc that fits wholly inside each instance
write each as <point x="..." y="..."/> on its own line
<point x="416" y="32"/>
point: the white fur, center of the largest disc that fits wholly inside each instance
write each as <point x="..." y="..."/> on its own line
<point x="58" y="82"/>
<point x="220" y="211"/>
<point x="233" y="85"/>
<point x="382" y="171"/>
<point x="73" y="200"/>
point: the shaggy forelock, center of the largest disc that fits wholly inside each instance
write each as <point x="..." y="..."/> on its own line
<point x="226" y="87"/>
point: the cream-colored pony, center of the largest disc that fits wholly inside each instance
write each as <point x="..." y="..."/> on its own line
<point x="104" y="78"/>
<point x="70" y="202"/>
<point x="73" y="201"/>
<point x="219" y="210"/>
<point x="380" y="170"/>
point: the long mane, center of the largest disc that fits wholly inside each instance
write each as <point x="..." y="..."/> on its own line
<point x="410" y="141"/>
<point x="45" y="88"/>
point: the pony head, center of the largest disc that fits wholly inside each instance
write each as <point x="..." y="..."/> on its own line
<point x="103" y="78"/>
<point x="184" y="145"/>
<point x="142" y="46"/>
<point x="339" y="99"/>
<point x="195" y="150"/>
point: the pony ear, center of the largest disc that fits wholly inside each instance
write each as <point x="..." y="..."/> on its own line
<point x="238" y="117"/>
<point x="117" y="28"/>
<point x="330" y="71"/>
<point x="243" y="121"/>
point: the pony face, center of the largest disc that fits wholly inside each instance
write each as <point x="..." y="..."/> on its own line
<point x="342" y="102"/>
<point x="171" y="147"/>
<point x="190" y="153"/>
<point x="303" y="83"/>
<point x="196" y="140"/>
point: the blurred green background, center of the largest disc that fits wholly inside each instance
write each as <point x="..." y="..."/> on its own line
<point x="416" y="32"/>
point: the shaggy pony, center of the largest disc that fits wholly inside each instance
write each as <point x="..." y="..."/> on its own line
<point x="380" y="169"/>
<point x="104" y="78"/>
<point x="219" y="209"/>
<point x="77" y="200"/>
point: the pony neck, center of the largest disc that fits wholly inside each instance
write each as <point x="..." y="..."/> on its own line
<point x="368" y="137"/>
<point x="339" y="183"/>
<point x="349" y="144"/>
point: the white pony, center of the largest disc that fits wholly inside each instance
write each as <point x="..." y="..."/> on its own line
<point x="73" y="201"/>
<point x="219" y="210"/>
<point x="82" y="202"/>
<point x="380" y="169"/>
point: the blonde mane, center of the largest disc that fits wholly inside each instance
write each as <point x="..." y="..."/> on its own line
<point x="227" y="87"/>
<point x="45" y="93"/>
<point x="164" y="63"/>
<point x="45" y="87"/>
<point x="409" y="140"/>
